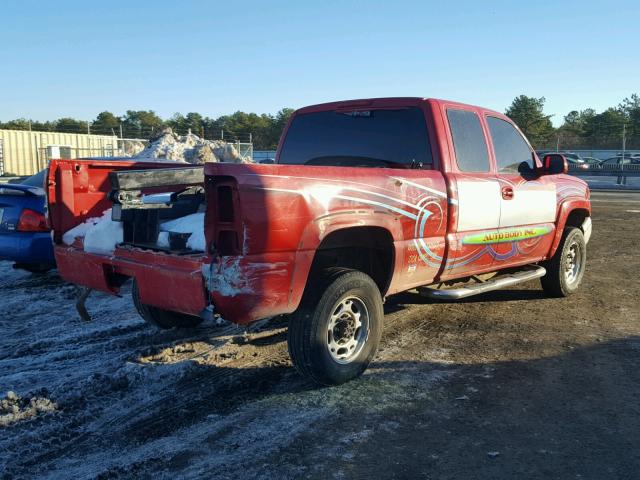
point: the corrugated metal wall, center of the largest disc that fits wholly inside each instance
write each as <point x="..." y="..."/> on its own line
<point x="24" y="151"/>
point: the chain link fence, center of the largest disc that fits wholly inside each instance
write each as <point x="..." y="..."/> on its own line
<point x="606" y="139"/>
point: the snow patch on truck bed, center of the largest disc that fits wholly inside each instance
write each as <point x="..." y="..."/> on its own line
<point x="101" y="234"/>
<point x="103" y="237"/>
<point x="193" y="224"/>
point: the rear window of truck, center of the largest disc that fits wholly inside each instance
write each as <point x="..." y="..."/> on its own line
<point x="362" y="138"/>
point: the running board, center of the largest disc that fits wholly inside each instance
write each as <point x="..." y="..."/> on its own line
<point x="501" y="281"/>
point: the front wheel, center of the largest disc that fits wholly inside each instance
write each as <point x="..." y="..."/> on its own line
<point x="335" y="332"/>
<point x="566" y="268"/>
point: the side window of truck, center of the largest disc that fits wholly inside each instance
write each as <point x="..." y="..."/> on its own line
<point x="513" y="155"/>
<point x="468" y="141"/>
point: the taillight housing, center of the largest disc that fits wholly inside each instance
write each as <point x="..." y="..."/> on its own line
<point x="32" y="221"/>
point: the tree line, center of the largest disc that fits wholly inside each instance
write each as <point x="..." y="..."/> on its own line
<point x="580" y="128"/>
<point x="262" y="129"/>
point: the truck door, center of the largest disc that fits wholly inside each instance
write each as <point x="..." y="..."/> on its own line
<point x="527" y="201"/>
<point x="475" y="195"/>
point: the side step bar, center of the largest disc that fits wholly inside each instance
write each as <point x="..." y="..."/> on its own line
<point x="501" y="281"/>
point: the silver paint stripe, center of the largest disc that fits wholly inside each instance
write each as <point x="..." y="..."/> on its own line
<point x="422" y="187"/>
<point x="346" y="197"/>
<point x="417" y="185"/>
<point x="384" y="205"/>
<point x="381" y="195"/>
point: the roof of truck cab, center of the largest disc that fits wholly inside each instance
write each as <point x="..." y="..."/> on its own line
<point x="389" y="102"/>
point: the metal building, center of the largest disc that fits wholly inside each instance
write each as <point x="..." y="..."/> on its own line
<point x="26" y="152"/>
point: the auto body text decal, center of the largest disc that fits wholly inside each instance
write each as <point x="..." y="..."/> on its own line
<point x="505" y="235"/>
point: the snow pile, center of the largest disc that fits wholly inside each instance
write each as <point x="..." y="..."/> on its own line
<point x="101" y="234"/>
<point x="193" y="224"/>
<point x="131" y="148"/>
<point x="13" y="408"/>
<point x="190" y="148"/>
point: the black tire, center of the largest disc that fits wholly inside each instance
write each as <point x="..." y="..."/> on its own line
<point x="36" y="268"/>
<point x="558" y="282"/>
<point x="310" y="338"/>
<point x="160" y="318"/>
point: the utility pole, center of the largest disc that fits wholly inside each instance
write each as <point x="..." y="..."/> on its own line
<point x="88" y="128"/>
<point x="557" y="143"/>
<point x="121" y="131"/>
<point x="622" y="180"/>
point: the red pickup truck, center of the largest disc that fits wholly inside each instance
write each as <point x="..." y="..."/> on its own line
<point x="367" y="198"/>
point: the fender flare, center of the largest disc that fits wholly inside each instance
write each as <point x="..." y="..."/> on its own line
<point x="564" y="211"/>
<point x="319" y="229"/>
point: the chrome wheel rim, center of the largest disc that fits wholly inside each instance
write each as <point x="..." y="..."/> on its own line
<point x="573" y="263"/>
<point x="347" y="330"/>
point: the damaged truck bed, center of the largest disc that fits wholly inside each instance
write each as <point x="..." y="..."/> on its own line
<point x="168" y="274"/>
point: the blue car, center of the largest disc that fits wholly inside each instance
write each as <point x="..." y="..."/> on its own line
<point x="24" y="235"/>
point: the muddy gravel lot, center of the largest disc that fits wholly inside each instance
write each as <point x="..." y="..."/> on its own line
<point x="509" y="384"/>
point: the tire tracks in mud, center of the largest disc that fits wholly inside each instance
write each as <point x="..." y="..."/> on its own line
<point x="204" y="389"/>
<point x="254" y="366"/>
<point x="232" y="384"/>
<point x="234" y="370"/>
<point x="219" y="387"/>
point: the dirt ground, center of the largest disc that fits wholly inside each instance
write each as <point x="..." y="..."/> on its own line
<point x="509" y="384"/>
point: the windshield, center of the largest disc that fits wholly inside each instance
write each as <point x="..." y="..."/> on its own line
<point x="364" y="138"/>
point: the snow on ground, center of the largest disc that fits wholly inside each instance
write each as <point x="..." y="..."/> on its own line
<point x="115" y="397"/>
<point x="14" y="409"/>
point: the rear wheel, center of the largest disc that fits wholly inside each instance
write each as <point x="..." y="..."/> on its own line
<point x="566" y="268"/>
<point x="335" y="332"/>
<point x="162" y="318"/>
<point x="34" y="267"/>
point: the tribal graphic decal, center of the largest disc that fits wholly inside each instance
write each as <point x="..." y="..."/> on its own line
<point x="423" y="212"/>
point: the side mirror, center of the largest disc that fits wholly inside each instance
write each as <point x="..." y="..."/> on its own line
<point x="554" y="164"/>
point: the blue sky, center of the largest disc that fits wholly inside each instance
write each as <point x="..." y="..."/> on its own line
<point x="72" y="58"/>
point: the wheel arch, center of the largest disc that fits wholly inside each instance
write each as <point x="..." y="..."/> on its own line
<point x="367" y="248"/>
<point x="571" y="214"/>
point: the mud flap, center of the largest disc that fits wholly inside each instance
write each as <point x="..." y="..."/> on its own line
<point x="81" y="307"/>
